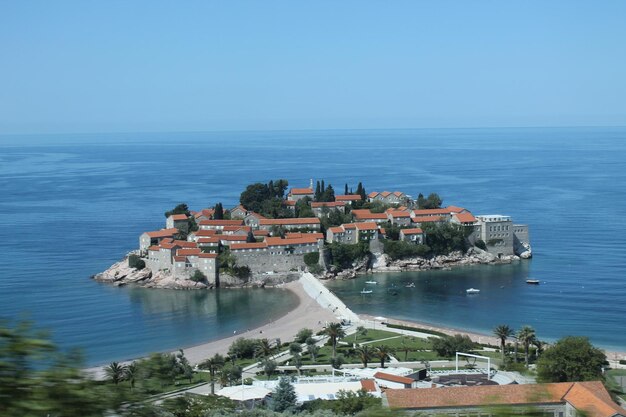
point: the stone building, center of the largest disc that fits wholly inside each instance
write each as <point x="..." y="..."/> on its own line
<point x="324" y="208"/>
<point x="414" y="235"/>
<point x="148" y="239"/>
<point x="312" y="223"/>
<point x="497" y="233"/>
<point x="296" y="194"/>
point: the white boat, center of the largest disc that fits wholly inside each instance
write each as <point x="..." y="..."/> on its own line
<point x="364" y="291"/>
<point x="532" y="281"/>
<point x="472" y="291"/>
<point x="411" y="285"/>
<point x="371" y="282"/>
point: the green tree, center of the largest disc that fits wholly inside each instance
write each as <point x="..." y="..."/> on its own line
<point x="250" y="238"/>
<point x="134" y="261"/>
<point x="218" y="214"/>
<point x="433" y="201"/>
<point x="313" y="350"/>
<point x="269" y="367"/>
<point x="360" y="331"/>
<point x="131" y="374"/>
<point x="526" y="335"/>
<point x="198" y="276"/>
<point x="297" y="361"/>
<point x="185" y="368"/>
<point x="295" y="348"/>
<point x="571" y="358"/>
<point x="303" y="335"/>
<point x="284" y="398"/>
<point x="503" y="332"/>
<point x="213" y="364"/>
<point x="263" y="349"/>
<point x="230" y="374"/>
<point x="334" y="331"/>
<point x="446" y="346"/>
<point x="179" y="209"/>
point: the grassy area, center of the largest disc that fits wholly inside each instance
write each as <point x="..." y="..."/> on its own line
<point x="370" y="336"/>
<point x="153" y="386"/>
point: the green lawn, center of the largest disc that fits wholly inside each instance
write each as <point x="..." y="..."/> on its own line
<point x="370" y="336"/>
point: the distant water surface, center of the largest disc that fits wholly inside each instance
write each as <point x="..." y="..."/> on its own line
<point x="70" y="205"/>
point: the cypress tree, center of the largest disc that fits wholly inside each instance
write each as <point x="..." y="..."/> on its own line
<point x="345" y="192"/>
<point x="318" y="191"/>
<point x="219" y="212"/>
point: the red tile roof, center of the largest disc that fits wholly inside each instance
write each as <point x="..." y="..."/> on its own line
<point x="366" y="226"/>
<point x="178" y="216"/>
<point x="154" y="248"/>
<point x="290" y="202"/>
<point x="328" y="204"/>
<point x="205" y="240"/>
<point x="590" y="397"/>
<point x="373" y="194"/>
<point x="205" y="233"/>
<point x="385" y="193"/>
<point x="236" y="228"/>
<point x="414" y="231"/>
<point x="207" y="255"/>
<point x="427" y="219"/>
<point x="221" y="222"/>
<point x="465" y="217"/>
<point x="431" y="212"/>
<point x="301" y="191"/>
<point x="366" y="214"/>
<point x="336" y="230"/>
<point x="260" y="233"/>
<point x="232" y="238"/>
<point x="187" y="252"/>
<point x="205" y="212"/>
<point x="162" y="233"/>
<point x="185" y="244"/>
<point x="180" y="258"/>
<point x="277" y="241"/>
<point x="368" y="385"/>
<point x="399" y="213"/>
<point x="349" y="197"/>
<point x="302" y="220"/>
<point x="300" y="235"/>
<point x="393" y="378"/>
<point x="256" y="245"/>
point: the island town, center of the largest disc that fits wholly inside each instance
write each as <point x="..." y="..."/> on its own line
<point x="275" y="232"/>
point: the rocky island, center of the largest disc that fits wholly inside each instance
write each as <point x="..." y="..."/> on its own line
<point x="270" y="238"/>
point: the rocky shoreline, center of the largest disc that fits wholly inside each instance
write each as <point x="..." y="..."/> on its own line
<point x="120" y="274"/>
<point x="382" y="263"/>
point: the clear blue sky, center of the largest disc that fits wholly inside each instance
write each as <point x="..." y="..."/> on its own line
<point x="102" y="66"/>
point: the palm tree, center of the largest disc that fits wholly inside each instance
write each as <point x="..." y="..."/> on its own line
<point x="335" y="332"/>
<point x="115" y="372"/>
<point x="539" y="345"/>
<point x="213" y="365"/>
<point x="263" y="348"/>
<point x="382" y="352"/>
<point x="360" y="331"/>
<point x="364" y="353"/>
<point x="130" y="374"/>
<point x="526" y="335"/>
<point x="503" y="332"/>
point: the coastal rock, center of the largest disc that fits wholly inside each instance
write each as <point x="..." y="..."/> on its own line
<point x="121" y="272"/>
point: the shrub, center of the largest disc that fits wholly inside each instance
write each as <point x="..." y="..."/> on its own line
<point x="312" y="258"/>
<point x="303" y="335"/>
<point x="400" y="249"/>
<point x="343" y="255"/>
<point x="316" y="269"/>
<point x="197" y="276"/>
<point x="416" y="329"/>
<point x="242" y="272"/>
<point x="480" y="244"/>
<point x="136" y="262"/>
<point x="446" y="346"/>
<point x="622" y="362"/>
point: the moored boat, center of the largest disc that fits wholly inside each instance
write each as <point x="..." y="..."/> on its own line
<point x="532" y="281"/>
<point x="472" y="291"/>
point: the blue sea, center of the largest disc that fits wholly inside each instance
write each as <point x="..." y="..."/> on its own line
<point x="70" y="205"/>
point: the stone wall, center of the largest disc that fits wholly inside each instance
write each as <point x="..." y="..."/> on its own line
<point x="265" y="261"/>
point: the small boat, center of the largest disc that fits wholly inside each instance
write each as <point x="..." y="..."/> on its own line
<point x="371" y="282"/>
<point x="472" y="291"/>
<point x="364" y="291"/>
<point x="532" y="281"/>
<point x="410" y="285"/>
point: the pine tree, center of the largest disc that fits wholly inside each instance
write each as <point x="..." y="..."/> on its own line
<point x="219" y="212"/>
<point x="284" y="398"/>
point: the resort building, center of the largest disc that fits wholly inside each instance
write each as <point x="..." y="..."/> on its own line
<point x="148" y="239"/>
<point x="218" y="224"/>
<point x="321" y="209"/>
<point x="178" y="221"/>
<point x="414" y="235"/>
<point x="296" y="194"/>
<point x="312" y="223"/>
<point x="352" y="233"/>
<point x="565" y="399"/>
<point x="399" y="217"/>
<point x="348" y="199"/>
<point x="387" y="197"/>
<point x="365" y="215"/>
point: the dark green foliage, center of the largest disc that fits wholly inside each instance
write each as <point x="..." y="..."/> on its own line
<point x="401" y="249"/>
<point x="136" y="262"/>
<point x="316" y="269"/>
<point x="360" y="190"/>
<point x="345" y="190"/>
<point x="415" y="329"/>
<point x="446" y="346"/>
<point x="337" y="361"/>
<point x="250" y="238"/>
<point x="318" y="191"/>
<point x="392" y="232"/>
<point x="265" y="199"/>
<point x="243" y="348"/>
<point x="219" y="212"/>
<point x="197" y="276"/>
<point x="335" y="218"/>
<point x="343" y="255"/>
<point x="269" y="367"/>
<point x="445" y="238"/>
<point x="303" y="335"/>
<point x="432" y="202"/>
<point x="311" y="258"/>
<point x="480" y="244"/>
<point x="196" y="405"/>
<point x="242" y="272"/>
<point x="284" y="399"/>
<point x="230" y="374"/>
<point x="347" y="403"/>
<point x="179" y="209"/>
<point x="572" y="358"/>
<point x="303" y="208"/>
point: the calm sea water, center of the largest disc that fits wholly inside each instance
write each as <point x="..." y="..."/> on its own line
<point x="70" y="205"/>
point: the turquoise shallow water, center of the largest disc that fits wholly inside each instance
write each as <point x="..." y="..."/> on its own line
<point x="70" y="205"/>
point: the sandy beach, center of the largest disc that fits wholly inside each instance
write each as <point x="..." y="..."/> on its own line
<point x="307" y="314"/>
